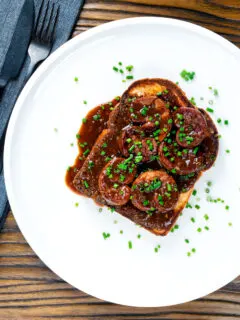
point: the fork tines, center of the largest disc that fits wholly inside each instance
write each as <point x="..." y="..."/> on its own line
<point x="46" y="21"/>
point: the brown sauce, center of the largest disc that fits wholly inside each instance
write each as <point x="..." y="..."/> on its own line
<point x="105" y="135"/>
<point x="96" y="122"/>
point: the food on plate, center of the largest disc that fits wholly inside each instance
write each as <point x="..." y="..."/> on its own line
<point x="143" y="152"/>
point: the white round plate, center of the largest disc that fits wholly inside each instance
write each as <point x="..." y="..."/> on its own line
<point x="69" y="238"/>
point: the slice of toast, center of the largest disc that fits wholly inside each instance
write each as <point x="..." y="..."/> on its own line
<point x="86" y="181"/>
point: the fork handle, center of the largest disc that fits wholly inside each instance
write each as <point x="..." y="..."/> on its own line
<point x="31" y="68"/>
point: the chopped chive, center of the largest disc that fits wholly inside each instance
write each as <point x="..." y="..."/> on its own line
<point x="96" y="117"/>
<point x="206" y="217"/>
<point x="138" y="236"/>
<point x="84" y="101"/>
<point x="130" y="244"/>
<point x="129" y="68"/>
<point x="209" y="183"/>
<point x="226" y="122"/>
<point x="188" y="205"/>
<point x="115" y="68"/>
<point x="197" y="206"/>
<point x="78" y="136"/>
<point x="206" y="228"/>
<point x="187" y="75"/>
<point x="121" y="231"/>
<point x="86" y="184"/>
<point x="187" y="241"/>
<point x="194" y="192"/>
<point x="86" y="152"/>
<point x="129" y="77"/>
<point x="219" y="120"/>
<point x="227" y="207"/>
<point x="230" y="224"/>
<point x="227" y="151"/>
<point x="193" y="250"/>
<point x="193" y="220"/>
<point x="105" y="235"/>
<point x="188" y="254"/>
<point x="199" y="229"/>
<point x="84" y="120"/>
<point x="210" y="110"/>
<point x="76" y="79"/>
<point x="76" y="204"/>
<point x="100" y="209"/>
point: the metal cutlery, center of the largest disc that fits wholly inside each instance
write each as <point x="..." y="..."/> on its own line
<point x="39" y="49"/>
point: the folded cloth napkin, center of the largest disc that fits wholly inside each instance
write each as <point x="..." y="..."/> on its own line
<point x="68" y="14"/>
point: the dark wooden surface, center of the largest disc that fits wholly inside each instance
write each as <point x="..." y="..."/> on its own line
<point x="28" y="289"/>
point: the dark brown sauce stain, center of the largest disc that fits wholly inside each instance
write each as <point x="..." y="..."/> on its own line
<point x="96" y="122"/>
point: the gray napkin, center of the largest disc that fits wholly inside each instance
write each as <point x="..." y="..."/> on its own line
<point x="68" y="14"/>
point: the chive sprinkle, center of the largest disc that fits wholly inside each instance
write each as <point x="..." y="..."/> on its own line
<point x="187" y="75"/>
<point x="86" y="184"/>
<point x="129" y="68"/>
<point x="84" y="120"/>
<point x="187" y="241"/>
<point x="76" y="79"/>
<point x="105" y="235"/>
<point x="194" y="192"/>
<point x="226" y="122"/>
<point x="210" y="110"/>
<point x="129" y="244"/>
<point x="129" y="77"/>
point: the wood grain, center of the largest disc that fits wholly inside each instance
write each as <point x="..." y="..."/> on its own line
<point x="28" y="289"/>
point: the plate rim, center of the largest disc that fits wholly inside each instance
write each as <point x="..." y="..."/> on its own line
<point x="62" y="51"/>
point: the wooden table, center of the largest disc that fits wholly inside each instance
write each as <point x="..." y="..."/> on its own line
<point x="28" y="289"/>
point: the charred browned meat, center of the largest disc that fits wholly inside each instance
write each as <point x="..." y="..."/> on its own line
<point x="133" y="140"/>
<point x="114" y="179"/>
<point x="180" y="160"/>
<point x="192" y="127"/>
<point x="154" y="191"/>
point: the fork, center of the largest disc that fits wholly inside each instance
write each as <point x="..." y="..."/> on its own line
<point x="39" y="49"/>
<point x="43" y="35"/>
<point x="40" y="45"/>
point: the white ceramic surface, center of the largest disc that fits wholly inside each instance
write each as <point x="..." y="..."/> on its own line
<point x="68" y="238"/>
